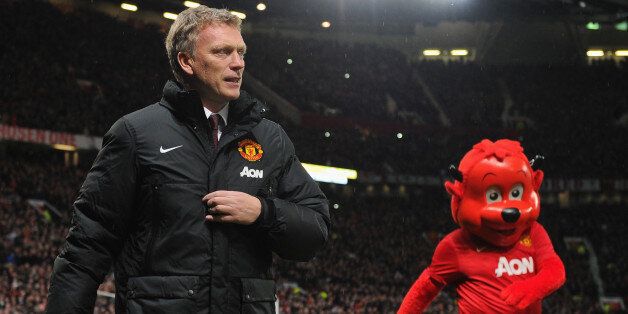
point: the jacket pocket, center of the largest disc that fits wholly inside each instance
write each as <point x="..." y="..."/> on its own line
<point x="163" y="294"/>
<point x="178" y="239"/>
<point x="258" y="295"/>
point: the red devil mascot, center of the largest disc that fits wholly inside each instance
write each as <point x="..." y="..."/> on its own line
<point x="500" y="259"/>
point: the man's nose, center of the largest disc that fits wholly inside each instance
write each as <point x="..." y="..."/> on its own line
<point x="237" y="61"/>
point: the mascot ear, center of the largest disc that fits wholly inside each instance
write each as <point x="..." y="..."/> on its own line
<point x="453" y="189"/>
<point x="536" y="164"/>
<point x="537" y="179"/>
<point x="456" y="194"/>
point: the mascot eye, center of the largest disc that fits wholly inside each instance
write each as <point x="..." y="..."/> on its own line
<point x="493" y="195"/>
<point x="516" y="192"/>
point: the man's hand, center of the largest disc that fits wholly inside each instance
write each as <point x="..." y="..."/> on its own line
<point x="232" y="207"/>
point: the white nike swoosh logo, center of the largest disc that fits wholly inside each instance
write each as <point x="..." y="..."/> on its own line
<point x="163" y="151"/>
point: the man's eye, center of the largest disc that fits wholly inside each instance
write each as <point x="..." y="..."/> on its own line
<point x="221" y="52"/>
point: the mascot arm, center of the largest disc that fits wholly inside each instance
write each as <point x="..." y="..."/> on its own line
<point x="421" y="294"/>
<point x="521" y="294"/>
<point x="550" y="277"/>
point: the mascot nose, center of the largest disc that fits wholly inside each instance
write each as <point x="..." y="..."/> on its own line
<point x="510" y="214"/>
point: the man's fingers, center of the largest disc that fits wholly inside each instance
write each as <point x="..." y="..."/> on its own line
<point x="219" y="218"/>
<point x="222" y="193"/>
<point x="207" y="197"/>
<point x="232" y="201"/>
<point x="232" y="207"/>
<point x="215" y="194"/>
<point x="210" y="201"/>
<point x="221" y="209"/>
<point x="217" y="200"/>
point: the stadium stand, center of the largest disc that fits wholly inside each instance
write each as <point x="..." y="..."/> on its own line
<point x="378" y="246"/>
<point x="80" y="83"/>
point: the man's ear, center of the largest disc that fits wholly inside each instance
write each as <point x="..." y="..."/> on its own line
<point x="185" y="62"/>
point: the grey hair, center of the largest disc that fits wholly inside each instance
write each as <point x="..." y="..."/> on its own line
<point x="184" y="31"/>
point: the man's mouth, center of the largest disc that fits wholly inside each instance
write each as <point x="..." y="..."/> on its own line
<point x="233" y="79"/>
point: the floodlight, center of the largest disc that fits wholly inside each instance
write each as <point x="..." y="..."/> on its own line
<point x="595" y="53"/>
<point x="621" y="53"/>
<point x="241" y="15"/>
<point x="128" y="7"/>
<point x="330" y="174"/>
<point x="170" y="16"/>
<point x="431" y="52"/>
<point x="459" y="52"/>
<point x="191" y="4"/>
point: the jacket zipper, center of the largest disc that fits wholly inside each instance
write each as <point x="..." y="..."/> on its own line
<point x="152" y="233"/>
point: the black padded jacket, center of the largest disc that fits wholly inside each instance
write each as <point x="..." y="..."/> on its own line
<point x="140" y="212"/>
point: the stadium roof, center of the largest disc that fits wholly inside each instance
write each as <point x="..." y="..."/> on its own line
<point x="425" y="11"/>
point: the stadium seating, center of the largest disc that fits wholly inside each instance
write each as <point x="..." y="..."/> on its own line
<point x="77" y="82"/>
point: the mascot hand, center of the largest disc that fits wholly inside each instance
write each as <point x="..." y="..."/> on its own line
<point x="521" y="294"/>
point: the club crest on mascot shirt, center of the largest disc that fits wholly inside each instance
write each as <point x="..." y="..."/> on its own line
<point x="498" y="197"/>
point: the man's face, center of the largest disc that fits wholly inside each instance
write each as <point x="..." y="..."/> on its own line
<point x="218" y="62"/>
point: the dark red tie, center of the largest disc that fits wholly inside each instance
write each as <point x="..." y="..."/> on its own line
<point x="214" y="122"/>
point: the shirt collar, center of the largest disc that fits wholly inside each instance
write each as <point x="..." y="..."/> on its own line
<point x="224" y="113"/>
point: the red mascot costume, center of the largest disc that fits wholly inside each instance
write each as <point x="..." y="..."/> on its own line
<point x="500" y="259"/>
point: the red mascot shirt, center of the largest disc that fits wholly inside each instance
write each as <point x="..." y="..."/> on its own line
<point x="480" y="271"/>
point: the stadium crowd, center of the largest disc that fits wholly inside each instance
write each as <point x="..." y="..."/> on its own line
<point x="81" y="83"/>
<point x="100" y="78"/>
<point x="377" y="248"/>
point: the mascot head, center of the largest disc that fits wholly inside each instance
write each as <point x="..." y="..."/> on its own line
<point x="495" y="194"/>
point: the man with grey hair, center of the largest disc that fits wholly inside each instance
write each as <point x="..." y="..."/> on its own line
<point x="189" y="197"/>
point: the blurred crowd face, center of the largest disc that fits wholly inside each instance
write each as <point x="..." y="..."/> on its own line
<point x="218" y="63"/>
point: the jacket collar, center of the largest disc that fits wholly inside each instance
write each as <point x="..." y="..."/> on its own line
<point x="244" y="112"/>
